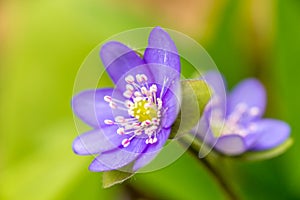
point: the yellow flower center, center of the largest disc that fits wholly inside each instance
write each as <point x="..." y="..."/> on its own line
<point x="142" y="111"/>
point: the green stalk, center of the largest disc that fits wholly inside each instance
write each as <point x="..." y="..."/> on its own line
<point x="213" y="170"/>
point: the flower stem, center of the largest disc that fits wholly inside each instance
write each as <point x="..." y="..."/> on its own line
<point x="215" y="173"/>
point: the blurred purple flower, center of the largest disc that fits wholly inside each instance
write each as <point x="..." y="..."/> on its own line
<point x="234" y="123"/>
<point x="132" y="121"/>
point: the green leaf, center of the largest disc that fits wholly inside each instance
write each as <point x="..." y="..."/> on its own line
<point x="110" y="178"/>
<point x="195" y="95"/>
<point x="267" y="154"/>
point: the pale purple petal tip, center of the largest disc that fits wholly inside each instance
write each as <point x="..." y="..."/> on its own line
<point x="231" y="145"/>
<point x="91" y="108"/>
<point x="251" y="93"/>
<point x="271" y="134"/>
<point x="119" y="59"/>
<point x="118" y="158"/>
<point x="97" y="141"/>
<point x="162" y="50"/>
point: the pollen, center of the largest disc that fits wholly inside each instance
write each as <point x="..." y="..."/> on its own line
<point x="142" y="111"/>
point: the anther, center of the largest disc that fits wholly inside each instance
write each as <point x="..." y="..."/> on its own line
<point x="127" y="94"/>
<point x="120" y="119"/>
<point x="129" y="79"/>
<point x="254" y="111"/>
<point x="154" y="140"/>
<point x="137" y="94"/>
<point x="144" y="90"/>
<point x="107" y="98"/>
<point x="144" y="77"/>
<point x="113" y="105"/>
<point x="138" y="78"/>
<point x="153" y="88"/>
<point x="241" y="107"/>
<point x="128" y="104"/>
<point x="129" y="87"/>
<point x="125" y="142"/>
<point x="121" y="131"/>
<point x="108" y="122"/>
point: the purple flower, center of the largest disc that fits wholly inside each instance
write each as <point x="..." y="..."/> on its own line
<point x="131" y="122"/>
<point x="234" y="123"/>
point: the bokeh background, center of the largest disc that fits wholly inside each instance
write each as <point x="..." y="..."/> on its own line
<point x="42" y="45"/>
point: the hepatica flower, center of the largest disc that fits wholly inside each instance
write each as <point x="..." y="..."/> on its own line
<point x="132" y="121"/>
<point x="234" y="124"/>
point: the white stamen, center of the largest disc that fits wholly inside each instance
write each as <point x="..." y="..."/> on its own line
<point x="138" y="94"/>
<point x="254" y="111"/>
<point x="138" y="78"/>
<point x="129" y="79"/>
<point x="144" y="77"/>
<point x="252" y="127"/>
<point x="142" y="105"/>
<point x="154" y="140"/>
<point x="107" y="98"/>
<point x="241" y="107"/>
<point x="129" y="87"/>
<point x="153" y="88"/>
<point x="127" y="94"/>
<point x="108" y="122"/>
<point x="125" y="142"/>
<point x="138" y="132"/>
<point x="163" y="87"/>
<point x="137" y="99"/>
<point x="144" y="91"/>
<point x="120" y="119"/>
<point x="121" y="131"/>
<point x="113" y="105"/>
<point x="128" y="103"/>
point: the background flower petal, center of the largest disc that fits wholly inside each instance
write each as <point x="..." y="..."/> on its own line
<point x="252" y="93"/>
<point x="119" y="59"/>
<point x="119" y="157"/>
<point x="271" y="133"/>
<point x="152" y="150"/>
<point x="231" y="145"/>
<point x="162" y="50"/>
<point x="96" y="141"/>
<point x="216" y="81"/>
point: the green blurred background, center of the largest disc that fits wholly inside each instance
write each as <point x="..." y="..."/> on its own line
<point x="42" y="45"/>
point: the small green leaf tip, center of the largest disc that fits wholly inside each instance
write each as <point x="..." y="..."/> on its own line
<point x="111" y="178"/>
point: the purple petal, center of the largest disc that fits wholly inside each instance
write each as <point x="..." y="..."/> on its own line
<point x="250" y="93"/>
<point x="231" y="145"/>
<point x="166" y="77"/>
<point x="271" y="133"/>
<point x="162" y="50"/>
<point x="91" y="108"/>
<point x="171" y="102"/>
<point x="118" y="158"/>
<point x="118" y="59"/>
<point x="96" y="141"/>
<point x="152" y="150"/>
